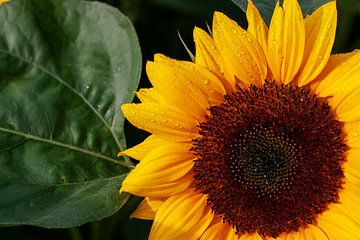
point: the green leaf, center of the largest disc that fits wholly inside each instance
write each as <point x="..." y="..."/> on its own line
<point x="65" y="68"/>
<point x="266" y="7"/>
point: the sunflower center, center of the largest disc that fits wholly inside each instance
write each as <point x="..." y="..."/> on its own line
<point x="263" y="162"/>
<point x="270" y="158"/>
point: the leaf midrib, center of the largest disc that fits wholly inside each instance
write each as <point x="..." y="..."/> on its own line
<point x="107" y="179"/>
<point x="64" y="145"/>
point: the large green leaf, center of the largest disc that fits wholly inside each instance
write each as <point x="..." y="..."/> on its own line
<point x="65" y="68"/>
<point x="266" y="7"/>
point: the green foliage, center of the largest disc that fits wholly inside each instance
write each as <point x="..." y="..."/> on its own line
<point x="266" y="7"/>
<point x="65" y="68"/>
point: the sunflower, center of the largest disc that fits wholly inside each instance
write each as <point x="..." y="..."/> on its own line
<point x="258" y="138"/>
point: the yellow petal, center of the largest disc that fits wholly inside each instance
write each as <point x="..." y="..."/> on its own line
<point x="286" y="41"/>
<point x="198" y="77"/>
<point x="208" y="56"/>
<point x="147" y="209"/>
<point x="335" y="61"/>
<point x="3" y="1"/>
<point x="139" y="151"/>
<point x="163" y="172"/>
<point x="353" y="134"/>
<point x="352" y="165"/>
<point x="251" y="236"/>
<point x="351" y="178"/>
<point x="241" y="52"/>
<point x="177" y="90"/>
<point x="342" y="84"/>
<point x="257" y="26"/>
<point x="312" y="232"/>
<point x="149" y="95"/>
<point x="165" y="121"/>
<point x="182" y="216"/>
<point x="337" y="224"/>
<point x="320" y="28"/>
<point x="348" y="109"/>
<point x="350" y="199"/>
<point x="309" y="232"/>
<point x="221" y="231"/>
<point x="160" y="190"/>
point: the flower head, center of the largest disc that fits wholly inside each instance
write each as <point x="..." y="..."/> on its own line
<point x="257" y="139"/>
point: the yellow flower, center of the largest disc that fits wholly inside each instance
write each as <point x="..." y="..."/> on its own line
<point x="258" y="139"/>
<point x="3" y="1"/>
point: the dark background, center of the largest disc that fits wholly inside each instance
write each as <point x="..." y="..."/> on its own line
<point x="157" y="23"/>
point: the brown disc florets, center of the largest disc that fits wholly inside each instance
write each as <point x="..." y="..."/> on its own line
<point x="270" y="158"/>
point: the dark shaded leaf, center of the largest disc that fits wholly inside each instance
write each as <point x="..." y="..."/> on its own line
<point x="266" y="7"/>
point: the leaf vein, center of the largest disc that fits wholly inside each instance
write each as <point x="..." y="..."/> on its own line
<point x="60" y="80"/>
<point x="64" y="145"/>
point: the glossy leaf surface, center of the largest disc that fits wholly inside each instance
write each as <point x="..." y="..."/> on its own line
<point x="65" y="68"/>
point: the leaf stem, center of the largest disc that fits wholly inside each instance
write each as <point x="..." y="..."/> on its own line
<point x="75" y="233"/>
<point x="95" y="230"/>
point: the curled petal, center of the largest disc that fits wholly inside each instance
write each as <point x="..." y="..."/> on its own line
<point x="241" y="52"/>
<point x="208" y="56"/>
<point x="182" y="216"/>
<point x="147" y="209"/>
<point x="320" y="28"/>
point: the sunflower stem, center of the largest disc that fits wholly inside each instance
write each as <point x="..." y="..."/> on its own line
<point x="75" y="233"/>
<point x="95" y="230"/>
